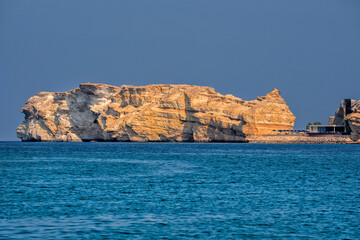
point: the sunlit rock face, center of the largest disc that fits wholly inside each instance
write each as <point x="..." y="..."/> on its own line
<point x="175" y="113"/>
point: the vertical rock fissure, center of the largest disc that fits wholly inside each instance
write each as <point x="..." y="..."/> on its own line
<point x="188" y="132"/>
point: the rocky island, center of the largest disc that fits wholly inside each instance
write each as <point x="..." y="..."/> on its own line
<point x="158" y="113"/>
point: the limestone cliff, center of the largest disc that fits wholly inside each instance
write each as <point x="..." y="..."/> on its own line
<point x="354" y="121"/>
<point x="352" y="118"/>
<point x="151" y="113"/>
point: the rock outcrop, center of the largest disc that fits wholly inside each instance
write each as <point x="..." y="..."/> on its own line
<point x="102" y="112"/>
<point x="350" y="118"/>
<point x="354" y="121"/>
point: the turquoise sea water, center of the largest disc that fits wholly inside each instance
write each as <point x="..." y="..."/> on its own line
<point x="179" y="191"/>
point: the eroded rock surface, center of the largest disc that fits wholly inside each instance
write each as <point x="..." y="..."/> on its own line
<point x="150" y="113"/>
<point x="353" y="118"/>
<point x="354" y="122"/>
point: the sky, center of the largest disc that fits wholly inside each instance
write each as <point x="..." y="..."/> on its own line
<point x="308" y="49"/>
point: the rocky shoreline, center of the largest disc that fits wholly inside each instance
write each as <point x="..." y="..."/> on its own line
<point x="302" y="139"/>
<point x="170" y="113"/>
<point x="257" y="139"/>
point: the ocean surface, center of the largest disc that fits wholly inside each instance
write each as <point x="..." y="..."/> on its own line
<point x="179" y="191"/>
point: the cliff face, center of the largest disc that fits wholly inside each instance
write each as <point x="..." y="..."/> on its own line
<point x="150" y="113"/>
<point x="353" y="118"/>
<point x="354" y="122"/>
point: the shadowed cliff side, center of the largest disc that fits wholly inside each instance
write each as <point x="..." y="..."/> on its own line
<point x="354" y="122"/>
<point x="353" y="118"/>
<point x="173" y="113"/>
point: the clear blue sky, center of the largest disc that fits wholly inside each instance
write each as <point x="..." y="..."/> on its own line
<point x="308" y="49"/>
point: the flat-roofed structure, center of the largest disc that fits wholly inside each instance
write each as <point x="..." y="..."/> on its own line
<point x="327" y="129"/>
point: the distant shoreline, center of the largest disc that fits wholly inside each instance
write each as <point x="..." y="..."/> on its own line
<point x="303" y="139"/>
<point x="250" y="140"/>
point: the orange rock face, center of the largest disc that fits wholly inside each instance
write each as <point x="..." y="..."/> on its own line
<point x="151" y="113"/>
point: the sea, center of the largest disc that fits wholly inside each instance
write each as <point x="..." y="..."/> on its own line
<point x="179" y="191"/>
